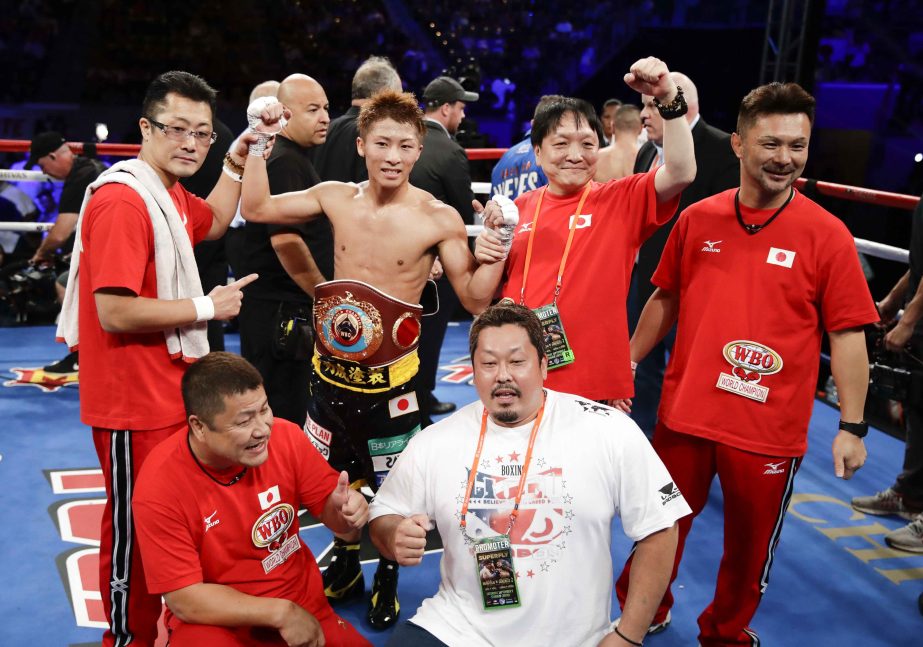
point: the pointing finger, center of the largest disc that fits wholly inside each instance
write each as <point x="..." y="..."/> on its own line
<point x="244" y="282"/>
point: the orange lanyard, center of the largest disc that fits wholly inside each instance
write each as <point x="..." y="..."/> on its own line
<point x="570" y="239"/>
<point x="522" y="479"/>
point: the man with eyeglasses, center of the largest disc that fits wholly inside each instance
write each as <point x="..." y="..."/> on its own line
<point x="134" y="303"/>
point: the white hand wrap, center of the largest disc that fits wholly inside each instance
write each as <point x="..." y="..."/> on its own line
<point x="508" y="208"/>
<point x="263" y="130"/>
<point x="510" y="213"/>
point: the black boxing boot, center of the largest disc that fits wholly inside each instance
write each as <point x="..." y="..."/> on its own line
<point x="343" y="578"/>
<point x="384" y="607"/>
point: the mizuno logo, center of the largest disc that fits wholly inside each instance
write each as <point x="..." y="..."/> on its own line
<point x="710" y="246"/>
<point x="208" y="520"/>
<point x="775" y="468"/>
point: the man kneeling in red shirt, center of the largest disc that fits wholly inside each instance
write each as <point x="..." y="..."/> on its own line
<point x="217" y="518"/>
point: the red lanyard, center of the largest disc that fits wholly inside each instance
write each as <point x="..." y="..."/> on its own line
<point x="522" y="479"/>
<point x="570" y="239"/>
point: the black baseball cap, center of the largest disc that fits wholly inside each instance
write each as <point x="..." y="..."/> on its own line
<point x="445" y="89"/>
<point x="42" y="145"/>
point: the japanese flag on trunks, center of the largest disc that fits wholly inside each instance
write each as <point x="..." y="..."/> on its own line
<point x="403" y="404"/>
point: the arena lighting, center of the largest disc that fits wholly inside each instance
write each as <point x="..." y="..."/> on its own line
<point x="102" y="132"/>
<point x="918" y="158"/>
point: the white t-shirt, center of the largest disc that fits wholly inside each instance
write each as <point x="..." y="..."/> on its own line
<point x="590" y="463"/>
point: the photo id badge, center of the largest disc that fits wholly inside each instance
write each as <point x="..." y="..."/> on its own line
<point x="557" y="349"/>
<point x="496" y="574"/>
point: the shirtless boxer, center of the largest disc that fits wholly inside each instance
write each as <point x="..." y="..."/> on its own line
<point x="387" y="234"/>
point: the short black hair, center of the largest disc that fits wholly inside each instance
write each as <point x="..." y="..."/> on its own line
<point x="211" y="379"/>
<point x="774" y="99"/>
<point x="181" y="83"/>
<point x="550" y="117"/>
<point x="611" y="102"/>
<point x="507" y="312"/>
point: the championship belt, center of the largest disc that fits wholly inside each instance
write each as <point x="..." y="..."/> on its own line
<point x="355" y="323"/>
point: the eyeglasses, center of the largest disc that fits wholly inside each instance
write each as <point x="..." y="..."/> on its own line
<point x="181" y="134"/>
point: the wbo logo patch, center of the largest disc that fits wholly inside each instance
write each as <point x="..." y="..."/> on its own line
<point x="349" y="328"/>
<point x="751" y="361"/>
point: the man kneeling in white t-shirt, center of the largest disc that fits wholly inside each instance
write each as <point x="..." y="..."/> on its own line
<point x="523" y="485"/>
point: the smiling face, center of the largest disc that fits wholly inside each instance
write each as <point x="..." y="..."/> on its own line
<point x="172" y="159"/>
<point x="773" y="151"/>
<point x="390" y="149"/>
<point x="238" y="435"/>
<point x="508" y="374"/>
<point x="568" y="155"/>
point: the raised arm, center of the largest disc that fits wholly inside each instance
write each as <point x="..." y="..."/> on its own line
<point x="225" y="196"/>
<point x="256" y="202"/>
<point x="257" y="205"/>
<point x="650" y="76"/>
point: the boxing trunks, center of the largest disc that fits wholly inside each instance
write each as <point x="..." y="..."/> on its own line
<point x="363" y="408"/>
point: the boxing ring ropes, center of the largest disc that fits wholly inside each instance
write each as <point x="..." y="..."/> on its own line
<point x="841" y="191"/>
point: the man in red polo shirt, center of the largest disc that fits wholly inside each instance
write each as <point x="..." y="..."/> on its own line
<point x="134" y="305"/>
<point x="754" y="276"/>
<point x="575" y="246"/>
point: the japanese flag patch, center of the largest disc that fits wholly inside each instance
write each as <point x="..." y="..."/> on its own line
<point x="781" y="257"/>
<point x="403" y="404"/>
<point x="269" y="498"/>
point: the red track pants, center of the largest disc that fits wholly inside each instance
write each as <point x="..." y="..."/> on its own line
<point x="132" y="612"/>
<point x="757" y="489"/>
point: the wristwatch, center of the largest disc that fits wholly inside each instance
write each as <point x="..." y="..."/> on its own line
<point x="858" y="429"/>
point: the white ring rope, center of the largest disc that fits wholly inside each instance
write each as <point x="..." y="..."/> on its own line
<point x="26" y="176"/>
<point x="26" y="226"/>
<point x="880" y="250"/>
<point x="869" y="247"/>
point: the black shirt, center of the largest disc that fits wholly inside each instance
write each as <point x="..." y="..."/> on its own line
<point x="83" y="173"/>
<point x="337" y="158"/>
<point x="289" y="169"/>
<point x="443" y="171"/>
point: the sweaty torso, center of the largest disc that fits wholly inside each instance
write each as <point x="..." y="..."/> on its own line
<point x="391" y="246"/>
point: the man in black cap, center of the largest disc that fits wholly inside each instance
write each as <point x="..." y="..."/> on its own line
<point x="52" y="154"/>
<point x="443" y="171"/>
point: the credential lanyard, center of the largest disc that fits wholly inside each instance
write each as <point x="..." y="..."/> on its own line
<point x="570" y="239"/>
<point x="522" y="479"/>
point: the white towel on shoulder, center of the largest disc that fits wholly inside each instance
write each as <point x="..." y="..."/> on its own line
<point x="177" y="273"/>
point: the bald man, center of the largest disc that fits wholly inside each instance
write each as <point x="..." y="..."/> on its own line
<point x="618" y="159"/>
<point x="718" y="170"/>
<point x="275" y="328"/>
<point x="265" y="89"/>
